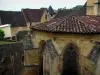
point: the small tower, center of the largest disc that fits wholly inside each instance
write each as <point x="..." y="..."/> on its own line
<point x="97" y="8"/>
<point x="90" y="7"/>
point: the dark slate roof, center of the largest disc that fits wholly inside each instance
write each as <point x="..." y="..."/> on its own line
<point x="71" y="24"/>
<point x="19" y="19"/>
<point x="67" y="12"/>
<point x="15" y="18"/>
<point x="81" y="12"/>
<point x="33" y="15"/>
<point x="63" y="13"/>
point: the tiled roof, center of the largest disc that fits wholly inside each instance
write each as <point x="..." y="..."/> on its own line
<point x="71" y="24"/>
<point x="49" y="25"/>
<point x="15" y="18"/>
<point x="33" y="15"/>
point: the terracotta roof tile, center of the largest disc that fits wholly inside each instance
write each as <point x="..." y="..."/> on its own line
<point x="71" y="24"/>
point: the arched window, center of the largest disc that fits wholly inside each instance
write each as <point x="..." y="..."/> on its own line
<point x="70" y="60"/>
<point x="95" y="53"/>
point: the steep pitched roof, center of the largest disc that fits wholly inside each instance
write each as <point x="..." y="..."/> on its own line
<point x="33" y="15"/>
<point x="71" y="24"/>
<point x="14" y="18"/>
<point x="81" y="12"/>
<point x="67" y="12"/>
<point x="18" y="19"/>
<point x="63" y="13"/>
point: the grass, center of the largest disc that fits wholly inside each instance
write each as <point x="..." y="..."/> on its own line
<point x="6" y="42"/>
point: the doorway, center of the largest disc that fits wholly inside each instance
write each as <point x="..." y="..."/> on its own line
<point x="70" y="61"/>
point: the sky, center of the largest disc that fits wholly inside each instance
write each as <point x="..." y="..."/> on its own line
<point x="17" y="5"/>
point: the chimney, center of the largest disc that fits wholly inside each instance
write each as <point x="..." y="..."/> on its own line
<point x="97" y="8"/>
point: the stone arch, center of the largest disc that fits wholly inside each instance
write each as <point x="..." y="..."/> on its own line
<point x="70" y="60"/>
<point x="74" y="45"/>
<point x="42" y="44"/>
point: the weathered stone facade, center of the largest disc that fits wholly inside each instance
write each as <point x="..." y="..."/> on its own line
<point x="69" y="44"/>
<point x="15" y="30"/>
<point x="11" y="59"/>
<point x="55" y="48"/>
<point x="93" y="7"/>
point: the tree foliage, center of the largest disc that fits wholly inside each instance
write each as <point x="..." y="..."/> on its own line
<point x="51" y="10"/>
<point x="2" y="34"/>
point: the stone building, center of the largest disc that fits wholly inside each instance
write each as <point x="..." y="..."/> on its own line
<point x="68" y="45"/>
<point x="93" y="7"/>
<point x="35" y="16"/>
<point x="15" y="19"/>
<point x="11" y="59"/>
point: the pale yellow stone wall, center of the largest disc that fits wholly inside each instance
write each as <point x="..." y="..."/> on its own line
<point x="31" y="57"/>
<point x="38" y="36"/>
<point x="28" y="25"/>
<point x="43" y="19"/>
<point x="84" y="43"/>
<point x="97" y="9"/>
<point x="14" y="30"/>
<point x="90" y="10"/>
<point x="32" y="23"/>
<point x="90" y="2"/>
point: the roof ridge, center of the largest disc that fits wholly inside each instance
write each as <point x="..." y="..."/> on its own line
<point x="58" y="23"/>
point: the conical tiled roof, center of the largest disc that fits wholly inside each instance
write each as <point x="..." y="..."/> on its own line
<point x="71" y="24"/>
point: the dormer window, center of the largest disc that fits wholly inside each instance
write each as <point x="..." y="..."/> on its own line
<point x="45" y="16"/>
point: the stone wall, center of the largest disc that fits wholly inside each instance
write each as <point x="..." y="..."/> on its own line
<point x="15" y="30"/>
<point x="84" y="43"/>
<point x="11" y="59"/>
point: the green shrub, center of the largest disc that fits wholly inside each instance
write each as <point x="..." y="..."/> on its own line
<point x="2" y="34"/>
